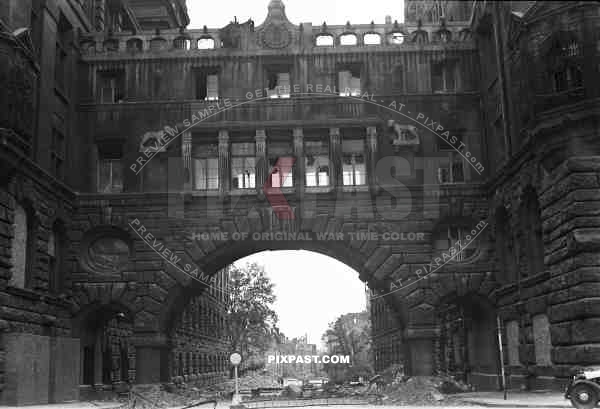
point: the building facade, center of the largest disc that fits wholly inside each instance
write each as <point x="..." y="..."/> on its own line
<point x="488" y="112"/>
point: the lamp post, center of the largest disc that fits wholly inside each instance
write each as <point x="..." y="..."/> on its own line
<point x="235" y="360"/>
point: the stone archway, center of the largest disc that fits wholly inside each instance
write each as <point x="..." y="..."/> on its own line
<point x="235" y="250"/>
<point x="107" y="353"/>
<point x="181" y="296"/>
<point x="467" y="346"/>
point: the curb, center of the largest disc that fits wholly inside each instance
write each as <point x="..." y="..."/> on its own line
<point x="508" y="404"/>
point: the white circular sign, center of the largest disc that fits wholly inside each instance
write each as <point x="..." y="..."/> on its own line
<point x="235" y="358"/>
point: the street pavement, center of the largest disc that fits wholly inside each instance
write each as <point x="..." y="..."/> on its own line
<point x="516" y="400"/>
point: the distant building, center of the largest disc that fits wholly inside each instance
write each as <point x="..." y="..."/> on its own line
<point x="293" y="347"/>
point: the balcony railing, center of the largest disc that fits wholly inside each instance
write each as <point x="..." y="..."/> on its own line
<point x="115" y="119"/>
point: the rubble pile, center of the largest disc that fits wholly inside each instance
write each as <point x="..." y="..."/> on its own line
<point x="421" y="390"/>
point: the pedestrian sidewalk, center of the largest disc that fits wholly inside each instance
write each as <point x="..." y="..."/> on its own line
<point x="74" y="405"/>
<point x="517" y="399"/>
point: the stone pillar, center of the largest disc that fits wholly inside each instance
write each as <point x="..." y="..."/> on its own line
<point x="300" y="163"/>
<point x="186" y="154"/>
<point x="372" y="158"/>
<point x="98" y="361"/>
<point x="262" y="165"/>
<point x="335" y="157"/>
<point x="224" y="171"/>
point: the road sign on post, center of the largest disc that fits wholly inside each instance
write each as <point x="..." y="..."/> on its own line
<point x="235" y="360"/>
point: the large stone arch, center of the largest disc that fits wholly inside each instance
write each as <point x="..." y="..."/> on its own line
<point x="221" y="257"/>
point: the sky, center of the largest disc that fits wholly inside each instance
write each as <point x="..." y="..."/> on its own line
<point x="312" y="290"/>
<point x="217" y="14"/>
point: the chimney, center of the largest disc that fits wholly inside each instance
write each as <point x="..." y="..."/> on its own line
<point x="388" y="20"/>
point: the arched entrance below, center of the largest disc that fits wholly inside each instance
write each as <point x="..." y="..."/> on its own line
<point x="468" y="343"/>
<point x="107" y="354"/>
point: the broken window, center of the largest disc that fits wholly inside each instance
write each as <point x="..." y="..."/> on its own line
<point x="279" y="85"/>
<point x="354" y="168"/>
<point x="243" y="166"/>
<point x="349" y="83"/>
<point x="111" y="86"/>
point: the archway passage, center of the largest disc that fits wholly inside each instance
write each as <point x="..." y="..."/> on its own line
<point x="107" y="354"/>
<point x="468" y="343"/>
<point x="312" y="290"/>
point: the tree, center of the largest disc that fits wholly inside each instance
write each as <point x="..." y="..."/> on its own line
<point x="251" y="318"/>
<point x="349" y="334"/>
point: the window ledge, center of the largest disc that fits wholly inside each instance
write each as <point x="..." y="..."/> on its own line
<point x="203" y="193"/>
<point x="318" y="189"/>
<point x="360" y="188"/>
<point x="268" y="190"/>
<point x="242" y="192"/>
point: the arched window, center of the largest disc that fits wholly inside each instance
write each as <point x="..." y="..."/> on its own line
<point x="111" y="45"/>
<point x="397" y="37"/>
<point x="324" y="40"/>
<point x="182" y="43"/>
<point x="503" y="241"/>
<point x="20" y="247"/>
<point x="531" y="220"/>
<point x="158" y="44"/>
<point x="420" y="37"/>
<point x="455" y="242"/>
<point x="372" y="39"/>
<point x="348" y="39"/>
<point x="56" y="249"/>
<point x="443" y="36"/>
<point x="563" y="57"/>
<point x="134" y="45"/>
<point x="206" y="43"/>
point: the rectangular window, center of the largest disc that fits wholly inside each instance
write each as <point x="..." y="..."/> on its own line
<point x="111" y="87"/>
<point x="348" y="84"/>
<point x="206" y="174"/>
<point x="207" y="86"/>
<point x="443" y="76"/>
<point x="457" y="239"/>
<point x="110" y="176"/>
<point x="317" y="170"/>
<point x="354" y="170"/>
<point x="452" y="169"/>
<point x="279" y="85"/>
<point x="243" y="172"/>
<point x="57" y="153"/>
<point x="277" y="179"/>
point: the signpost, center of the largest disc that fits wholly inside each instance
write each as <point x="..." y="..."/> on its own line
<point x="235" y="360"/>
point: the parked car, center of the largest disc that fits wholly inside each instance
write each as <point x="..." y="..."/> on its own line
<point x="584" y="388"/>
<point x="292" y="381"/>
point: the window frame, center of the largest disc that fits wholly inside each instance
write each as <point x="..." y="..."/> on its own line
<point x="324" y="35"/>
<point x="317" y="171"/>
<point x="110" y="160"/>
<point x="116" y="79"/>
<point x="354" y="92"/>
<point x="250" y="155"/>
<point x="207" y="178"/>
